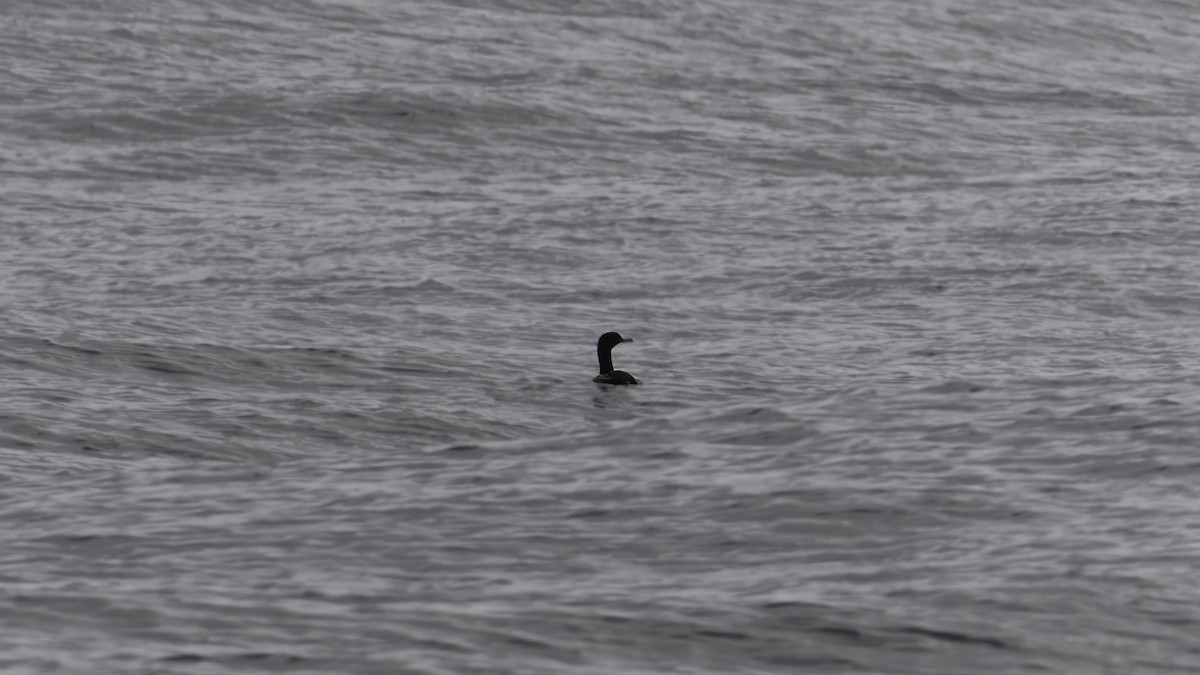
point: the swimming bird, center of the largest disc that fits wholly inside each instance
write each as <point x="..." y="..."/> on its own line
<point x="604" y="351"/>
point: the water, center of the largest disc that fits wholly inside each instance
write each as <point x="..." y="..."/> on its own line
<point x="300" y="302"/>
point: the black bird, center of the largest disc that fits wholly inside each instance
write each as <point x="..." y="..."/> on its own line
<point x="604" y="351"/>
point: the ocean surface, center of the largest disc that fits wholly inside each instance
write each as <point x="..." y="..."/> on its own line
<point x="299" y="302"/>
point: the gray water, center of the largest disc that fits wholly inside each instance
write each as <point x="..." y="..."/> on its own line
<point x="300" y="302"/>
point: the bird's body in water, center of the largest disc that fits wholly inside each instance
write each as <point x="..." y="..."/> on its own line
<point x="604" y="352"/>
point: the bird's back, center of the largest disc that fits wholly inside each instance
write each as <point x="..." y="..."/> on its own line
<point x="615" y="377"/>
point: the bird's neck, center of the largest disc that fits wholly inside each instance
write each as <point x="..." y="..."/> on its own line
<point x="605" y="359"/>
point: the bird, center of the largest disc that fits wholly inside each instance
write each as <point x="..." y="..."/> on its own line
<point x="604" y="352"/>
